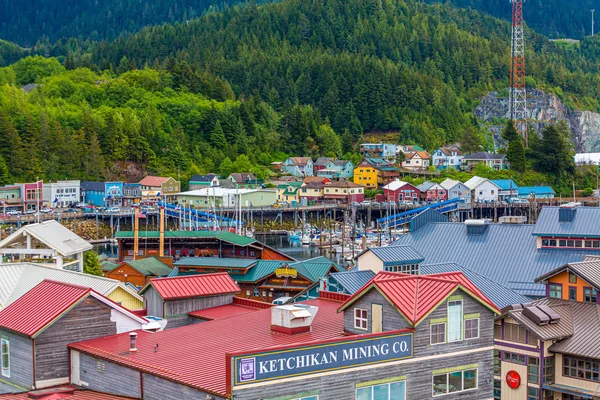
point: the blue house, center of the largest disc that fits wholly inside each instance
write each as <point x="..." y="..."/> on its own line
<point x="538" y="192"/>
<point x="508" y="188"/>
<point x="337" y="169"/>
<point x="300" y="167"/>
<point x="114" y="193"/>
<point x="93" y="193"/>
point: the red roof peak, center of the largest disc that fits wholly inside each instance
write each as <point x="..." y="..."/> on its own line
<point x="66" y="284"/>
<point x="185" y="287"/>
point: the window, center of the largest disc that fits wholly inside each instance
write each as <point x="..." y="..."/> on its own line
<point x="360" y="319"/>
<point x="581" y="368"/>
<point x="514" y="358"/>
<point x="497" y="362"/>
<point x="438" y="333"/>
<point x="590" y="295"/>
<point x="455" y="320"/>
<point x="533" y="393"/>
<point x="533" y="370"/>
<point x="452" y="382"/>
<point x="101" y="367"/>
<point x="549" y="370"/>
<point x="386" y="391"/>
<point x="497" y="331"/>
<point x="497" y="390"/>
<point x="5" y="357"/>
<point x="572" y="293"/>
<point x="555" y="290"/>
<point x="472" y="328"/>
<point x="572" y="278"/>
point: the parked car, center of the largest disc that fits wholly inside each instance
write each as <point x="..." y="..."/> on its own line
<point x="375" y="204"/>
<point x="355" y="204"/>
<point x="11" y="213"/>
<point x="46" y="210"/>
<point x="112" y="210"/>
<point x="80" y="205"/>
<point x="71" y="210"/>
<point x="365" y="203"/>
<point x="30" y="211"/>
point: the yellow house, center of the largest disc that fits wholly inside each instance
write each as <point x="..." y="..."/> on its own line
<point x="288" y="191"/>
<point x="372" y="172"/>
<point x="313" y="191"/>
<point x="365" y="175"/>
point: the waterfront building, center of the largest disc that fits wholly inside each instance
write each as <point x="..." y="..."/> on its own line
<point x="62" y="193"/>
<point x="139" y="272"/>
<point x="157" y="188"/>
<point x="132" y="193"/>
<point x="202" y="181"/>
<point x="536" y="192"/>
<point x="11" y="198"/>
<point x="508" y="188"/>
<point x="312" y="192"/>
<point x="344" y="191"/>
<point x="374" y="172"/>
<point x="482" y="190"/>
<point x="403" y="259"/>
<point x="436" y="340"/>
<point x="495" y="161"/>
<point x="431" y="191"/>
<point x="113" y="193"/>
<point x="224" y="197"/>
<point x="33" y="195"/>
<point x="398" y="190"/>
<point x="288" y="191"/>
<point x="299" y="167"/>
<point x="93" y="193"/>
<point x="457" y="190"/>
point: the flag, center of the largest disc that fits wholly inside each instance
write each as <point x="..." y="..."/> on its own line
<point x="141" y="215"/>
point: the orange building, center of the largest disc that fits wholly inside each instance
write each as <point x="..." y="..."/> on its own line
<point x="574" y="281"/>
<point x="139" y="272"/>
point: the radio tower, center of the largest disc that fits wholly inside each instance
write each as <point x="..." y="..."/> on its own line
<point x="518" y="93"/>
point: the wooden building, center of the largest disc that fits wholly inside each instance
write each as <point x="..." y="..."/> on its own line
<point x="139" y="272"/>
<point x="35" y="331"/>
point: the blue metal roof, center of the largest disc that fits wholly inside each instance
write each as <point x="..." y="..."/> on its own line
<point x="506" y="254"/>
<point x="585" y="223"/>
<point x="352" y="281"/>
<point x="500" y="295"/>
<point x="505" y="184"/>
<point x="426" y="217"/>
<point x="397" y="255"/>
<point x="536" y="190"/>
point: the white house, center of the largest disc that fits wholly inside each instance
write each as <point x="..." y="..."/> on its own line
<point x="482" y="189"/>
<point x="417" y="160"/>
<point x="447" y="157"/>
<point x="62" y="193"/>
<point x="457" y="190"/>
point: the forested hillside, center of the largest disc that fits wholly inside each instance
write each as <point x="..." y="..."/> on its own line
<point x="553" y="18"/>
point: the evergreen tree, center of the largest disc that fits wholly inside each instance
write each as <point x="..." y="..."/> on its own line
<point x="471" y="141"/>
<point x="515" y="153"/>
<point x="91" y="263"/>
<point x="4" y="175"/>
<point x="217" y="136"/>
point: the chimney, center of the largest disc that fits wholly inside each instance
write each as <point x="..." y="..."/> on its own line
<point x="136" y="234"/>
<point x="161" y="240"/>
<point x="476" y="226"/>
<point x="566" y="212"/>
<point x="293" y="318"/>
<point x="132" y="339"/>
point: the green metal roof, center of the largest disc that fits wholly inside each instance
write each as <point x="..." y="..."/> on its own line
<point x="108" y="266"/>
<point x="314" y="270"/>
<point x="150" y="266"/>
<point x="261" y="270"/>
<point x="222" y="235"/>
<point x="244" y="263"/>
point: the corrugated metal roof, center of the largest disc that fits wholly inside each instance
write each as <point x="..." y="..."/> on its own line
<point x="314" y="270"/>
<point x="589" y="271"/>
<point x="76" y="395"/>
<point x="52" y="234"/>
<point x="500" y="295"/>
<point x="27" y="316"/>
<point x="220" y="312"/>
<point x="243" y="263"/>
<point x="222" y="235"/>
<point x="150" y="266"/>
<point x="353" y="280"/>
<point x="563" y="329"/>
<point x="425" y="186"/>
<point x="505" y="184"/>
<point x="504" y="253"/>
<point x="195" y="355"/>
<point x="425" y="217"/>
<point x="154" y="181"/>
<point x="396" y="184"/>
<point x="585" y="223"/>
<point x="260" y="270"/>
<point x="185" y="287"/>
<point x="536" y="190"/>
<point x="476" y="181"/>
<point x="396" y="255"/>
<point x="17" y="279"/>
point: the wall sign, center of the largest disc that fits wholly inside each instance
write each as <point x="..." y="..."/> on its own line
<point x="513" y="379"/>
<point x="286" y="272"/>
<point x="265" y="366"/>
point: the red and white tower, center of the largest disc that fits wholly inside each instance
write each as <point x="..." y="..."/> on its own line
<point x="518" y="92"/>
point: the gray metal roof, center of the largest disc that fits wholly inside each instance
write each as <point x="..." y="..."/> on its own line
<point x="506" y="254"/>
<point x="216" y="262"/>
<point x="585" y="223"/>
<point x="500" y="295"/>
<point x="18" y="278"/>
<point x="353" y="280"/>
<point x="53" y="235"/>
<point x="589" y="271"/>
<point x="423" y="187"/>
<point x="591" y="258"/>
<point x="561" y="330"/>
<point x="426" y="217"/>
<point x="397" y="255"/>
<point x="484" y="156"/>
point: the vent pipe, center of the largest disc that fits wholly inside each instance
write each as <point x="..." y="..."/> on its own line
<point x="132" y="339"/>
<point x="136" y="233"/>
<point x="161" y="240"/>
<point x="566" y="212"/>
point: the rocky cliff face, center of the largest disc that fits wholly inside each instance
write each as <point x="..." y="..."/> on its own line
<point x="543" y="109"/>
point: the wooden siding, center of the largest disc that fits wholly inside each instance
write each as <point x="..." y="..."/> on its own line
<point x="126" y="299"/>
<point x="115" y="379"/>
<point x="156" y="388"/>
<point x="392" y="319"/>
<point x="90" y="319"/>
<point x="133" y="276"/>
<point x="153" y="303"/>
<point x="179" y="307"/>
<point x="21" y="363"/>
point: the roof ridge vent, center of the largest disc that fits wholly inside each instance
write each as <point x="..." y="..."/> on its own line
<point x="476" y="226"/>
<point x="566" y="212"/>
<point x="535" y="314"/>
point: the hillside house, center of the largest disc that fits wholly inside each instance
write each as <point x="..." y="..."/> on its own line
<point x="374" y="172"/>
<point x="419" y="160"/>
<point x="197" y="182"/>
<point x="387" y="151"/>
<point x="299" y="167"/>
<point x="496" y="161"/>
<point x="447" y="157"/>
<point x="337" y="169"/>
<point x="321" y="163"/>
<point x="245" y="180"/>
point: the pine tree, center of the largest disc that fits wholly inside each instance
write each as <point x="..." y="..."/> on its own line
<point x="91" y="263"/>
<point x="217" y="137"/>
<point x="515" y="153"/>
<point x="471" y="141"/>
<point x="4" y="175"/>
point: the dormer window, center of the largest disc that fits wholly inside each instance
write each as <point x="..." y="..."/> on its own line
<point x="361" y="319"/>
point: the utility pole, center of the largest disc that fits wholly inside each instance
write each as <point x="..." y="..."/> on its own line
<point x="518" y="92"/>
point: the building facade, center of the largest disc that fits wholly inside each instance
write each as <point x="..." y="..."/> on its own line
<point x="401" y="191"/>
<point x="374" y="172"/>
<point x="447" y="157"/>
<point x="33" y="195"/>
<point x="457" y="190"/>
<point x="418" y="161"/>
<point x="482" y="190"/>
<point x="93" y="193"/>
<point x="10" y="198"/>
<point x="197" y="182"/>
<point x="132" y="194"/>
<point x="495" y="161"/>
<point x="344" y="191"/>
<point x="337" y="169"/>
<point x="299" y="167"/>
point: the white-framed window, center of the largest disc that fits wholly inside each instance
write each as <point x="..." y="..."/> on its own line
<point x="452" y="382"/>
<point x="455" y="320"/>
<point x="385" y="391"/>
<point x="361" y="319"/>
<point x="5" y="357"/>
<point x="437" y="333"/>
<point x="472" y="328"/>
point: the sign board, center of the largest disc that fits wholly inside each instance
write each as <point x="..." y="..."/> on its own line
<point x="258" y="367"/>
<point x="513" y="379"/>
<point x="287" y="272"/>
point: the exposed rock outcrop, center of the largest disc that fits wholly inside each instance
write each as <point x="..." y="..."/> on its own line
<point x="543" y="109"/>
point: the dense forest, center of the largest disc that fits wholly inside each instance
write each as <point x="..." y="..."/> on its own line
<point x="553" y="18"/>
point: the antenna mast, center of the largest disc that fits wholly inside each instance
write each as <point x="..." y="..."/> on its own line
<point x="518" y="92"/>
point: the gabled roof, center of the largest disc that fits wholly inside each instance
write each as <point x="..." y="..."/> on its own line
<point x="450" y="183"/>
<point x="344" y="183"/>
<point x="353" y="280"/>
<point x="202" y="178"/>
<point x="536" y="190"/>
<point x="241" y="177"/>
<point x="422" y="154"/>
<point x="300" y="160"/>
<point x="53" y="235"/>
<point x="46" y="302"/>
<point x="484" y="156"/>
<point x="448" y="151"/>
<point x="415" y="296"/>
<point x="93" y="186"/>
<point x="237" y="263"/>
<point x="315" y="179"/>
<point x="322" y="161"/>
<point x="476" y="181"/>
<point x="261" y="270"/>
<point x="19" y="278"/>
<point x="186" y="287"/>
<point x="584" y="223"/>
<point x="150" y="266"/>
<point x="504" y="253"/>
<point x="505" y="184"/>
<point x="500" y="295"/>
<point x="425" y="186"/>
<point x="341" y="163"/>
<point x="154" y="181"/>
<point x="315" y="269"/>
<point x="589" y="271"/>
<point x="395" y="255"/>
<point x="396" y="184"/>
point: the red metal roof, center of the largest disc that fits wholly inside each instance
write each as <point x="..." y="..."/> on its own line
<point x="185" y="287"/>
<point x="195" y="355"/>
<point x="220" y="312"/>
<point x="67" y="394"/>
<point x="415" y="296"/>
<point x="40" y="306"/>
<point x="153" y="181"/>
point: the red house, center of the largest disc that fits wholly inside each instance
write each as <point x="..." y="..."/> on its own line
<point x="400" y="191"/>
<point x="436" y="192"/>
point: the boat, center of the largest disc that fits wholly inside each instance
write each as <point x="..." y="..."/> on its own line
<point x="305" y="240"/>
